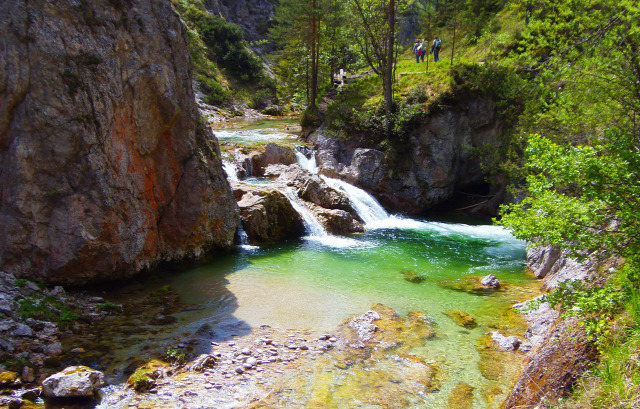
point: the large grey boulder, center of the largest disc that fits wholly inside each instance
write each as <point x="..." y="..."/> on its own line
<point x="267" y="215"/>
<point x="106" y="167"/>
<point x="73" y="382"/>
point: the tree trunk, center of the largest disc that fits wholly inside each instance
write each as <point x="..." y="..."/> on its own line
<point x="388" y="77"/>
<point x="314" y="58"/>
<point x="453" y="44"/>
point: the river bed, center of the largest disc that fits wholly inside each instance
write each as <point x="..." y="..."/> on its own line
<point x="302" y="289"/>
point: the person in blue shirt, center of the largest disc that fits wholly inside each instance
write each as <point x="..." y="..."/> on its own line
<point x="435" y="49"/>
<point x="417" y="50"/>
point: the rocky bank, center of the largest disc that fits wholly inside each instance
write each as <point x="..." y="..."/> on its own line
<point x="106" y="167"/>
<point x="434" y="162"/>
<point x="560" y="352"/>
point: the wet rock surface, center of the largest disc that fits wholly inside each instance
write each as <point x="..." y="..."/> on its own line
<point x="107" y="168"/>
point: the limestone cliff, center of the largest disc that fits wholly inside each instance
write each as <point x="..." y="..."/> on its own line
<point x="434" y="161"/>
<point x="105" y="166"/>
<point x="254" y="16"/>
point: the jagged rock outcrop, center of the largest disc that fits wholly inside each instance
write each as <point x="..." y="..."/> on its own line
<point x="267" y="215"/>
<point x="561" y="351"/>
<point x="105" y="165"/>
<point x="434" y="162"/>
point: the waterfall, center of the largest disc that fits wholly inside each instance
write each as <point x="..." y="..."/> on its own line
<point x="243" y="238"/>
<point x="363" y="203"/>
<point x="307" y="164"/>
<point x="230" y="170"/>
<point x="311" y="223"/>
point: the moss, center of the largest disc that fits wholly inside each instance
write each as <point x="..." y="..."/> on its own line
<point x="144" y="378"/>
<point x="461" y="397"/>
<point x="461" y="318"/>
<point x="411" y="276"/>
<point x="7" y="378"/>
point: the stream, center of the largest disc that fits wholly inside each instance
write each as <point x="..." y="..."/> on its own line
<point x="312" y="285"/>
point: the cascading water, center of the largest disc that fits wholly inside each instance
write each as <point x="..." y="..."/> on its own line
<point x="230" y="170"/>
<point x="307" y="164"/>
<point x="311" y="223"/>
<point x="363" y="203"/>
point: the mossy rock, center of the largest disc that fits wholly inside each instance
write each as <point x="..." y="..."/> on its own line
<point x="470" y="285"/>
<point x="411" y="276"/>
<point x="462" y="318"/>
<point x="461" y="397"/>
<point x="144" y="378"/>
<point x="8" y="378"/>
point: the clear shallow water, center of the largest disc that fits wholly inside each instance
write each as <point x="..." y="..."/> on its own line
<point x="315" y="283"/>
<point x="311" y="285"/>
<point x="245" y="131"/>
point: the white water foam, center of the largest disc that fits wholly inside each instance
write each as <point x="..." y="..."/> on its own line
<point x="230" y="170"/>
<point x="363" y="203"/>
<point x="315" y="230"/>
<point x="307" y="164"/>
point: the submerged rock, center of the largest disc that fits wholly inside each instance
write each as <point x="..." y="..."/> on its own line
<point x="461" y="318"/>
<point x="461" y="397"/>
<point x="412" y="277"/>
<point x="72" y="382"/>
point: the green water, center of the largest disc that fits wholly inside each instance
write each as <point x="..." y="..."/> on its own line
<point x="315" y="284"/>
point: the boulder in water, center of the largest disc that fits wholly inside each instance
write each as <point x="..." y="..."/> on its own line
<point x="337" y="221"/>
<point x="272" y="154"/>
<point x="505" y="343"/>
<point x="73" y="382"/>
<point x="490" y="281"/>
<point x="461" y="318"/>
<point x="267" y="215"/>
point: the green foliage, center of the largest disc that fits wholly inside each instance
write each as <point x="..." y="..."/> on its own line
<point x="582" y="197"/>
<point x="176" y="357"/>
<point x="218" y="49"/>
<point x="47" y="309"/>
<point x="108" y="306"/>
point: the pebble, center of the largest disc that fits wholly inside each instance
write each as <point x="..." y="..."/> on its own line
<point x="246" y="351"/>
<point x="252" y="361"/>
<point x="332" y="339"/>
<point x="304" y="348"/>
<point x="239" y="370"/>
<point x="246" y="365"/>
<point x="292" y="346"/>
<point x="231" y="344"/>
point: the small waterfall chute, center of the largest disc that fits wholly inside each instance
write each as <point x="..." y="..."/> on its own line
<point x="230" y="170"/>
<point x="363" y="203"/>
<point x="307" y="164"/>
<point x="311" y="223"/>
<point x="315" y="230"/>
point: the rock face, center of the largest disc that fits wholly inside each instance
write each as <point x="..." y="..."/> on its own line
<point x="105" y="167"/>
<point x="435" y="161"/>
<point x="73" y="382"/>
<point x="267" y="215"/>
<point x="560" y="350"/>
<point x="254" y="16"/>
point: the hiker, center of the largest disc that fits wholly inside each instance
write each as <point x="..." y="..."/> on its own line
<point x="435" y="49"/>
<point x="424" y="49"/>
<point x="417" y="49"/>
